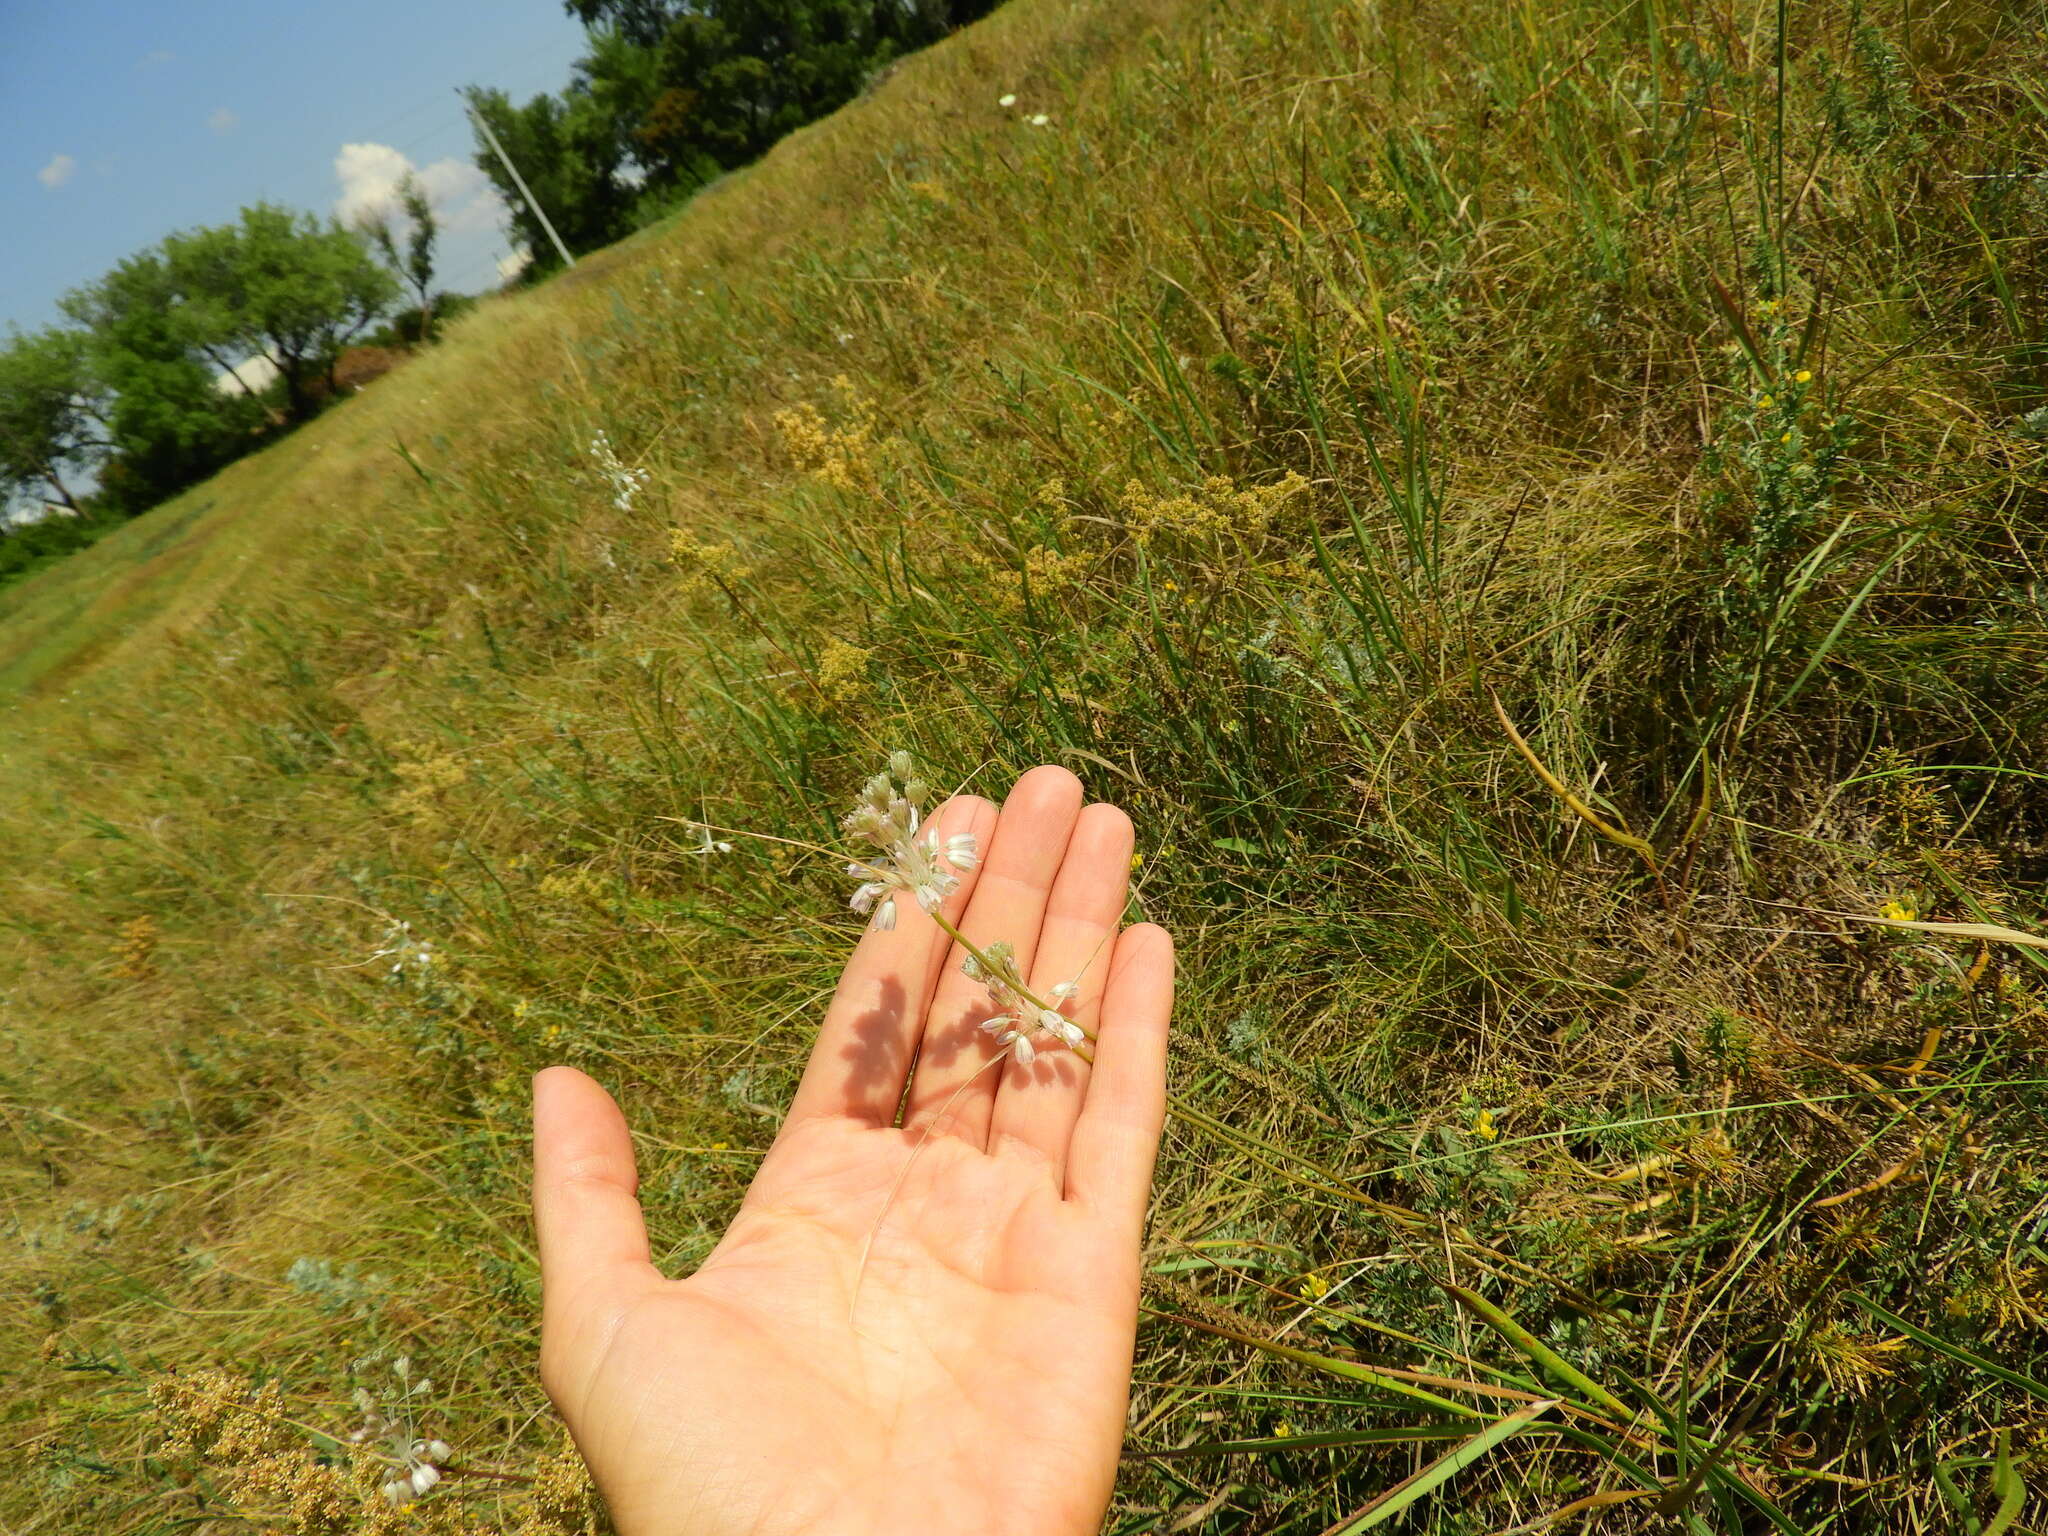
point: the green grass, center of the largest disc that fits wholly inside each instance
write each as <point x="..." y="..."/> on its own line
<point x="1320" y="376"/>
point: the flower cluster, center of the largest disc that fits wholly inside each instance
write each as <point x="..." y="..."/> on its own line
<point x="418" y="1462"/>
<point x="405" y="952"/>
<point x="907" y="859"/>
<point x="886" y="819"/>
<point x="1022" y="1023"/>
<point x="626" y="481"/>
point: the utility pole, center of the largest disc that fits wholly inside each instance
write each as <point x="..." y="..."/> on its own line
<point x="518" y="180"/>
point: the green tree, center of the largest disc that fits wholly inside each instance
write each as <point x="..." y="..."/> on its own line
<point x="52" y="413"/>
<point x="570" y="150"/>
<point x="737" y="75"/>
<point x="155" y="362"/>
<point x="281" y="284"/>
<point x="415" y="265"/>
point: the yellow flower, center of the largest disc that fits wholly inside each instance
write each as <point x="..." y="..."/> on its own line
<point x="719" y="1146"/>
<point x="1138" y="859"/>
<point x="1484" y="1128"/>
<point x="1764" y="402"/>
<point x="1283" y="1430"/>
<point x="1786" y="438"/>
<point x="1899" y="911"/>
<point x="1803" y="376"/>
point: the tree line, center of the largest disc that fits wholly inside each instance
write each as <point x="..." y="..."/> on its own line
<point x="674" y="93"/>
<point x="147" y="383"/>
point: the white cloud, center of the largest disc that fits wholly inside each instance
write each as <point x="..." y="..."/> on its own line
<point x="58" y="171"/>
<point x="222" y="121"/>
<point x="461" y="195"/>
<point x="257" y="373"/>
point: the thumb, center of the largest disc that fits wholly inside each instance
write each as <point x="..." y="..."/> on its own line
<point x="593" y="1239"/>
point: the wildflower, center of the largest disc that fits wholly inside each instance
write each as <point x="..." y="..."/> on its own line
<point x="1038" y="120"/>
<point x="405" y="952"/>
<point x="887" y="818"/>
<point x="1484" y="1128"/>
<point x="1901" y="911"/>
<point x="1765" y="402"/>
<point x="1803" y="376"/>
<point x="1022" y="1024"/>
<point x="626" y="481"/>
<point x="1007" y="99"/>
<point x="417" y="1462"/>
<point x="705" y="843"/>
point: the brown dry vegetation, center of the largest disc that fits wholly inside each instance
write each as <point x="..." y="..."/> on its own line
<point x="1537" y="512"/>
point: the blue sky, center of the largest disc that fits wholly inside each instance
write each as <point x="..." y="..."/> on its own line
<point x="122" y="120"/>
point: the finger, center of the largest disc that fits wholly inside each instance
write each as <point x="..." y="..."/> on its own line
<point x="1109" y="1162"/>
<point x="1037" y="1104"/>
<point x="584" y="1208"/>
<point x="1009" y="904"/>
<point x="863" y="1052"/>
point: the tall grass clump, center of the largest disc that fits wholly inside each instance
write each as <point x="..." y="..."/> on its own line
<point x="1537" y="513"/>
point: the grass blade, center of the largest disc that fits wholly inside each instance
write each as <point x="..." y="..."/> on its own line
<point x="1953" y="1352"/>
<point x="1542" y="1355"/>
<point x="1411" y="1490"/>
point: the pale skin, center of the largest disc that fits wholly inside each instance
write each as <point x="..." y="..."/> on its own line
<point x="924" y="1327"/>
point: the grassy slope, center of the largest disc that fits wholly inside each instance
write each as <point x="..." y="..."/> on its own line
<point x="1703" y="450"/>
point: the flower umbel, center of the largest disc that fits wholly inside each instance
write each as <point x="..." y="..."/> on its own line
<point x="416" y="1463"/>
<point x="1022" y="1023"/>
<point x="887" y="818"/>
<point x="625" y="480"/>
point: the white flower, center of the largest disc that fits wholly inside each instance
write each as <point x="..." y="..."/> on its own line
<point x="626" y="482"/>
<point x="1038" y="119"/>
<point x="1022" y="1024"/>
<point x="398" y="1492"/>
<point x="424" y="1476"/>
<point x="439" y="1450"/>
<point x="706" y="845"/>
<point x="1007" y="99"/>
<point x="888" y="818"/>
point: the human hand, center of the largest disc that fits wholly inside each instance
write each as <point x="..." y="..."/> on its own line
<point x="901" y="1332"/>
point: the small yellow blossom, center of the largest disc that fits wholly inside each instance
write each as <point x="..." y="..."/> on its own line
<point x="720" y="1146"/>
<point x="1138" y="859"/>
<point x="1785" y="437"/>
<point x="843" y="672"/>
<point x="1765" y="402"/>
<point x="1803" y="376"/>
<point x="1283" y="1430"/>
<point x="1484" y="1128"/>
<point x="1900" y="911"/>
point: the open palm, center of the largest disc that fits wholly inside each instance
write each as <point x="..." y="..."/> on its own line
<point x="923" y="1327"/>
